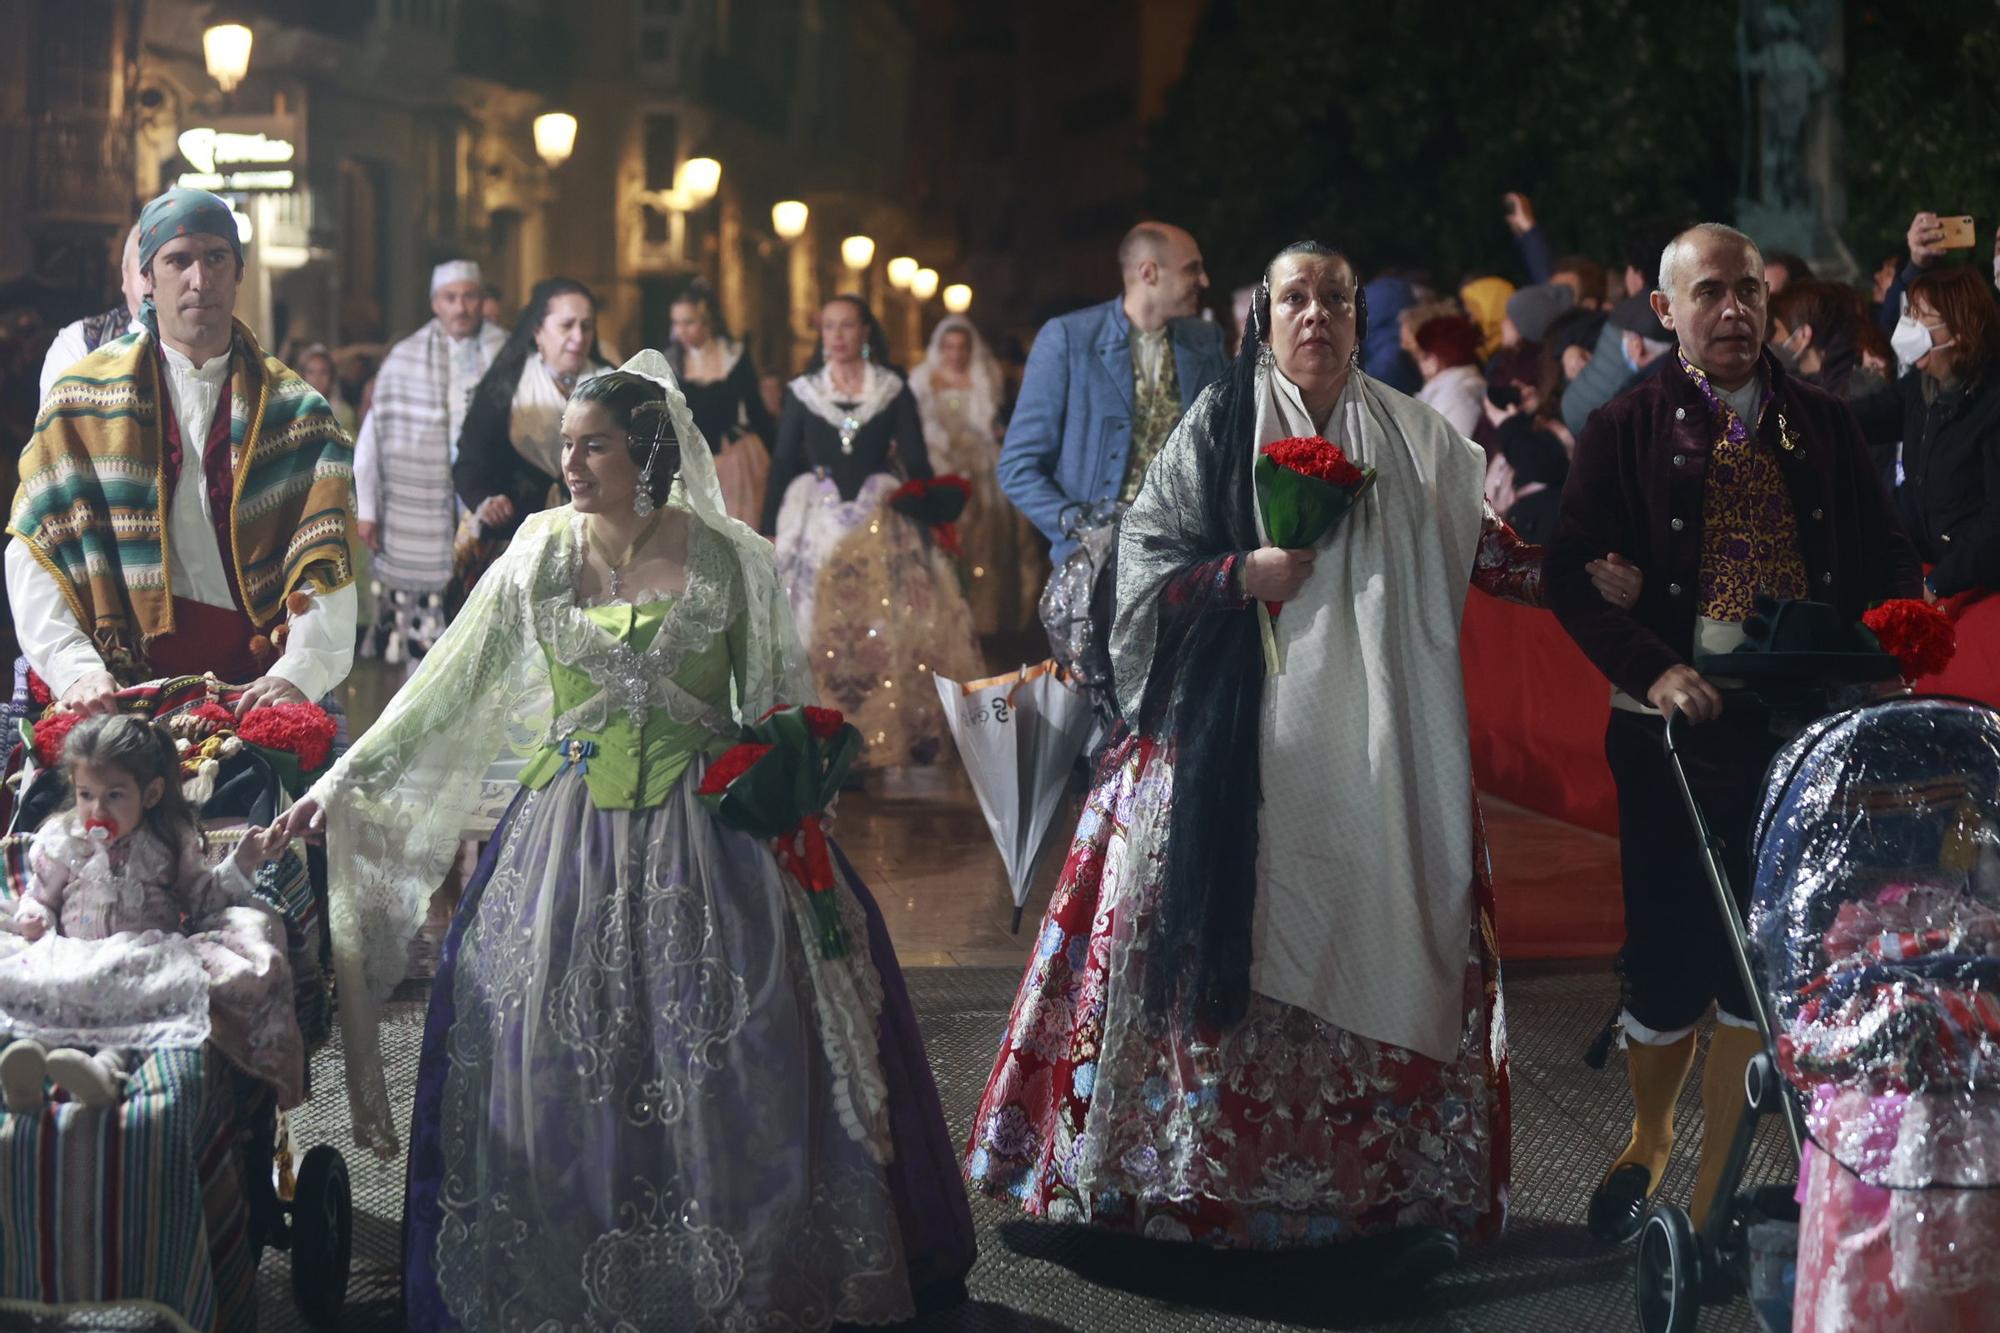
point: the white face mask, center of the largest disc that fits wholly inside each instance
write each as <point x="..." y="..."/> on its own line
<point x="1911" y="341"/>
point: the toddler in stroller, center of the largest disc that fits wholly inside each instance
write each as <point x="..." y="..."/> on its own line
<point x="1873" y="949"/>
<point x="168" y="1196"/>
<point x="98" y="959"/>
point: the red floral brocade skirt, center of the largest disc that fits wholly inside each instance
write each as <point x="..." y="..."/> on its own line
<point x="1285" y="1130"/>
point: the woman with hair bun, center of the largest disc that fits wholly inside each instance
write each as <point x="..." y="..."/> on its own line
<point x="720" y="381"/>
<point x="652" y="1095"/>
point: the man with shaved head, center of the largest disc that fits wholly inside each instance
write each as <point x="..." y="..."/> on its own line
<point x="1723" y="478"/>
<point x="1104" y="387"/>
<point x="1106" y="384"/>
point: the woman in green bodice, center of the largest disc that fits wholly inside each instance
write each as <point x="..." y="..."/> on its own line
<point x="646" y="1099"/>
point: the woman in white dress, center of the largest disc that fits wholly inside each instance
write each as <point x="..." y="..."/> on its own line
<point x="958" y="391"/>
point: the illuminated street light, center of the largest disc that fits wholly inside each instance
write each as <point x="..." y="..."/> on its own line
<point x="924" y="284"/>
<point x="958" y="298"/>
<point x="698" y="180"/>
<point x="555" y="137"/>
<point x="788" y="219"/>
<point x="225" y="47"/>
<point x="857" y="252"/>
<point x="901" y="269"/>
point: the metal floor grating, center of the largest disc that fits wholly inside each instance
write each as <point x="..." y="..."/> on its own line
<point x="1545" y="1274"/>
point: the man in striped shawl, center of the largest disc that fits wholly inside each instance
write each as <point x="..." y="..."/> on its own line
<point x="402" y="460"/>
<point x="185" y="499"/>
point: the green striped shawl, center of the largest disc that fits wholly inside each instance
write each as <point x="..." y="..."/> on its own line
<point x="93" y="503"/>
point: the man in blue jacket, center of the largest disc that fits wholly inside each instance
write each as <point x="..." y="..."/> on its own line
<point x="1105" y="386"/>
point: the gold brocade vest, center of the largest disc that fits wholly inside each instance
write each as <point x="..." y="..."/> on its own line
<point x="1156" y="410"/>
<point x="1749" y="534"/>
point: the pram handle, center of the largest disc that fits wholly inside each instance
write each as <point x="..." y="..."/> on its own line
<point x="1725" y="903"/>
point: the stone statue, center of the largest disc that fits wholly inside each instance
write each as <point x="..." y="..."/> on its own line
<point x="1790" y="56"/>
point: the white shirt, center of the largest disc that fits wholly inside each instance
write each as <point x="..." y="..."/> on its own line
<point x="1149" y="357"/>
<point x="66" y="351"/>
<point x="319" y="649"/>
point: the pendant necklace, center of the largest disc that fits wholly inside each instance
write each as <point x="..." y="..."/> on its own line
<point x="617" y="567"/>
<point x="850" y="425"/>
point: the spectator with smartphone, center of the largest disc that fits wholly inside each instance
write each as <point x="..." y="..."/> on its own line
<point x="1930" y="239"/>
<point x="1946" y="413"/>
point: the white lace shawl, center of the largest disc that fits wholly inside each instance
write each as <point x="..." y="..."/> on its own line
<point x="815" y="393"/>
<point x="398" y="801"/>
<point x="982" y="394"/>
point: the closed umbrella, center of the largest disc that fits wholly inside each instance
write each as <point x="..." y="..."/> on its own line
<point x="1018" y="735"/>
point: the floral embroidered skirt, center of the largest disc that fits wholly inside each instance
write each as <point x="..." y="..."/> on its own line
<point x="880" y="611"/>
<point x="1283" y="1131"/>
<point x="645" y="1100"/>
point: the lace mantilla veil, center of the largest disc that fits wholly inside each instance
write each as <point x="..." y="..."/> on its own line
<point x="450" y="743"/>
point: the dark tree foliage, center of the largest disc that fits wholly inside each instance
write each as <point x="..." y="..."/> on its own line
<point x="1921" y="111"/>
<point x="1392" y="127"/>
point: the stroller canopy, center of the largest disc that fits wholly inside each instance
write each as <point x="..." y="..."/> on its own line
<point x="1876" y="926"/>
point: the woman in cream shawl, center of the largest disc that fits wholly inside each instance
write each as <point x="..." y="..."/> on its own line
<point x="1264" y="1009"/>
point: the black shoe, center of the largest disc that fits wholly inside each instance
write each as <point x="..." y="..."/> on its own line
<point x="1422" y="1253"/>
<point x="1618" y="1208"/>
<point x="1407" y="1256"/>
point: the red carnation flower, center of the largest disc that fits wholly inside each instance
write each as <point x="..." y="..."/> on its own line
<point x="913" y="489"/>
<point x="303" y="730"/>
<point x="50" y="733"/>
<point x="1920" y="637"/>
<point x="952" y="481"/>
<point x="824" y="723"/>
<point x="38" y="691"/>
<point x="1316" y="457"/>
<point x="217" y="716"/>
<point x="734" y="763"/>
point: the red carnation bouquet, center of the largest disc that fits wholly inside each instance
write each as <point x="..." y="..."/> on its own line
<point x="935" y="503"/>
<point x="1920" y="637"/>
<point x="1305" y="486"/>
<point x="296" y="739"/>
<point x="776" y="783"/>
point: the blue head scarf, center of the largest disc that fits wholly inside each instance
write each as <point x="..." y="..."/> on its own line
<point x="181" y="212"/>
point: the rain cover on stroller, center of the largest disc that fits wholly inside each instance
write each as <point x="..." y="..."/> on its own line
<point x="1876" y="921"/>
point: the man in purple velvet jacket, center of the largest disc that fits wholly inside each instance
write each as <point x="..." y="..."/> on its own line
<point x="1722" y="478"/>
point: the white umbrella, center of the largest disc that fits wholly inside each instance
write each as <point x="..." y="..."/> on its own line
<point x="1018" y="735"/>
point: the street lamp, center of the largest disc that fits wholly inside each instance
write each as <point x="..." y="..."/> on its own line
<point x="958" y="298"/>
<point x="857" y="252"/>
<point x="788" y="219"/>
<point x="555" y="137"/>
<point x="924" y="283"/>
<point x="901" y="270"/>
<point x="698" y="180"/>
<point x="225" y="48"/>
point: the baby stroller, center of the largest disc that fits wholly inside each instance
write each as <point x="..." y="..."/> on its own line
<point x="1871" y="956"/>
<point x="172" y="1198"/>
